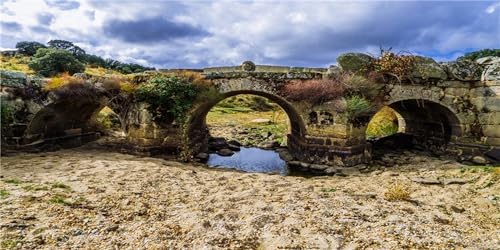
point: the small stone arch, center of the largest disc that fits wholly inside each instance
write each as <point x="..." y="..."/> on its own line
<point x="196" y="126"/>
<point x="427" y="120"/>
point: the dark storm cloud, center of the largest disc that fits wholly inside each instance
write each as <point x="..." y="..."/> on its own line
<point x="10" y="26"/>
<point x="150" y="30"/>
<point x="45" y="18"/>
<point x="63" y="4"/>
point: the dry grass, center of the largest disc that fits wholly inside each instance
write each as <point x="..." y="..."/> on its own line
<point x="16" y="63"/>
<point x="315" y="91"/>
<point x="397" y="191"/>
<point x="98" y="71"/>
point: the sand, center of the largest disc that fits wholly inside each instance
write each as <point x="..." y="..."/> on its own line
<point x="90" y="199"/>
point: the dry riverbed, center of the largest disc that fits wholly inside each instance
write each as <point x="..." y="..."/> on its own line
<point x="90" y="199"/>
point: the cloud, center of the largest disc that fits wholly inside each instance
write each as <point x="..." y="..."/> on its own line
<point x="10" y="26"/>
<point x="175" y="34"/>
<point x="63" y="4"/>
<point x="150" y="30"/>
<point x="45" y="18"/>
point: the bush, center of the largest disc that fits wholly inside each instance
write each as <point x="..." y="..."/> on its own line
<point x="6" y="115"/>
<point x="397" y="192"/>
<point x="28" y="48"/>
<point x="314" y="91"/>
<point x="169" y="97"/>
<point x="480" y="54"/>
<point x="357" y="106"/>
<point x="360" y="85"/>
<point x="77" y="89"/>
<point x="50" y="62"/>
<point x="396" y="65"/>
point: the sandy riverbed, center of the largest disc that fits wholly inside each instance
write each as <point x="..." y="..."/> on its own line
<point x="90" y="199"/>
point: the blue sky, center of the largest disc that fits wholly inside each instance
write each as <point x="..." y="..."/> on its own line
<point x="191" y="34"/>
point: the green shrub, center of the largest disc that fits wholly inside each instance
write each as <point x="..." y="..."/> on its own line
<point x="49" y="62"/>
<point x="6" y="114"/>
<point x="480" y="54"/>
<point x="169" y="97"/>
<point x="357" y="106"/>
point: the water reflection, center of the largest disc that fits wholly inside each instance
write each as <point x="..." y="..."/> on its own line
<point x="250" y="160"/>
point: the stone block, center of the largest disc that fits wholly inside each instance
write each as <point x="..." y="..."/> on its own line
<point x="456" y="91"/>
<point x="488" y="103"/>
<point x="491" y="130"/>
<point x="485" y="91"/>
<point x="492" y="118"/>
<point x="493" y="141"/>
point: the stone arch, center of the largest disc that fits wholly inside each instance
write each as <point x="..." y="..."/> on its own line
<point x="196" y="126"/>
<point x="430" y="122"/>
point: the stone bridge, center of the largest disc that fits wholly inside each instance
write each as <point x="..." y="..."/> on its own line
<point x="455" y="108"/>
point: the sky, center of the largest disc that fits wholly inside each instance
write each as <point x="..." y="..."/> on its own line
<point x="197" y="34"/>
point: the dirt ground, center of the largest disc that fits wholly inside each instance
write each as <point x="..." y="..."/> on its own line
<point x="90" y="199"/>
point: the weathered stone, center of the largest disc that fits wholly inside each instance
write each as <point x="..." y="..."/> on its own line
<point x="486" y="103"/>
<point x="491" y="130"/>
<point x="225" y="152"/>
<point x="488" y="60"/>
<point x="12" y="79"/>
<point x="318" y="166"/>
<point x="354" y="61"/>
<point x="493" y="154"/>
<point x="260" y="120"/>
<point x="458" y="181"/>
<point x="464" y="70"/>
<point x="427" y="181"/>
<point x="203" y="157"/>
<point x="427" y="68"/>
<point x="479" y="160"/>
<point x="491" y="72"/>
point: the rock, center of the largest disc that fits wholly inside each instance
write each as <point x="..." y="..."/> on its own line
<point x="217" y="143"/>
<point x="493" y="154"/>
<point x="285" y="155"/>
<point x="273" y="144"/>
<point x="12" y="79"/>
<point x="426" y="68"/>
<point x="112" y="228"/>
<point x="354" y="61"/>
<point x="225" y="152"/>
<point x="427" y="181"/>
<point x="318" y="166"/>
<point x="479" y="160"/>
<point x="457" y="209"/>
<point x="330" y="170"/>
<point x="203" y="157"/>
<point x="464" y="70"/>
<point x="491" y="72"/>
<point x="260" y="120"/>
<point x="488" y="60"/>
<point x="235" y="142"/>
<point x="454" y="181"/>
<point x="233" y="147"/>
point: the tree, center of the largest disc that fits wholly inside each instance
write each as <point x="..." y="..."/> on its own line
<point x="28" y="48"/>
<point x="78" y="52"/>
<point x="50" y="61"/>
<point x="95" y="61"/>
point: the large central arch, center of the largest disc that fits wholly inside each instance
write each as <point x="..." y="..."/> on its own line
<point x="198" y="132"/>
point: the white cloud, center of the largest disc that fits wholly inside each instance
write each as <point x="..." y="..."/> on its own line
<point x="279" y="32"/>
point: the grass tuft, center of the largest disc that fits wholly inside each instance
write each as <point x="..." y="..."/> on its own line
<point x="4" y="193"/>
<point x="397" y="192"/>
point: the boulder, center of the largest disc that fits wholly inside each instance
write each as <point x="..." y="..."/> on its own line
<point x="488" y="60"/>
<point x="217" y="143"/>
<point x="464" y="70"/>
<point x="12" y="79"/>
<point x="202" y="157"/>
<point x="427" y="68"/>
<point x="355" y="61"/>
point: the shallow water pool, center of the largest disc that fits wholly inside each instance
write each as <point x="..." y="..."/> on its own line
<point x="254" y="160"/>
